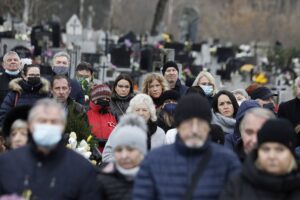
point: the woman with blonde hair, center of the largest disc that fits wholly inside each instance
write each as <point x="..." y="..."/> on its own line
<point x="208" y="83"/>
<point x="272" y="170"/>
<point x="154" y="85"/>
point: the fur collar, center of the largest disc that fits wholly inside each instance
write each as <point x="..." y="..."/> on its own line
<point x="15" y="86"/>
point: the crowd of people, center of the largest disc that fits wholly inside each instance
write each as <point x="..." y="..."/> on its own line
<point x="166" y="141"/>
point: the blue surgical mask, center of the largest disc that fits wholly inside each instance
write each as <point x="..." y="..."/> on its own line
<point x="170" y="107"/>
<point x="60" y="70"/>
<point x="13" y="73"/>
<point x="47" y="135"/>
<point x="208" y="89"/>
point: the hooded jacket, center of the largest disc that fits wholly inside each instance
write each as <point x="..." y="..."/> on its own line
<point x="21" y="93"/>
<point x="253" y="183"/>
<point x="232" y="140"/>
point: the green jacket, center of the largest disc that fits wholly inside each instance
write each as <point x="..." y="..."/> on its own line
<point x="77" y="120"/>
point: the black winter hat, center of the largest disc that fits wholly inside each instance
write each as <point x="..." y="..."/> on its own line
<point x="190" y="106"/>
<point x="277" y="130"/>
<point x="169" y="64"/>
<point x="169" y="94"/>
<point x="263" y="93"/>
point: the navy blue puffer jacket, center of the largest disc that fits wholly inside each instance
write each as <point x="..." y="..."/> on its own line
<point x="166" y="172"/>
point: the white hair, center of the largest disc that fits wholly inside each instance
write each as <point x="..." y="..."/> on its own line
<point x="10" y="53"/>
<point x="132" y="119"/>
<point x="143" y="99"/>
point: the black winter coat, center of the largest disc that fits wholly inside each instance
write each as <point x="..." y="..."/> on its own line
<point x="180" y="88"/>
<point x="113" y="185"/>
<point x="61" y="175"/>
<point x="21" y="93"/>
<point x="290" y="110"/>
<point x="252" y="183"/>
<point x="4" y="81"/>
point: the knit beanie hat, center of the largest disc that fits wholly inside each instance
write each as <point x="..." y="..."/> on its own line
<point x="169" y="64"/>
<point x="277" y="130"/>
<point x="169" y="94"/>
<point x="100" y="91"/>
<point x="190" y="106"/>
<point x="130" y="136"/>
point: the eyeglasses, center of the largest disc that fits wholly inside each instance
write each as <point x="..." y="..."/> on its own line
<point x="123" y="86"/>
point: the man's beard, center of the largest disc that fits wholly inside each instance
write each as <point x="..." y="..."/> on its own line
<point x="194" y="141"/>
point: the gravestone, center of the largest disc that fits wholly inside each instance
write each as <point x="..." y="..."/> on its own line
<point x="74" y="26"/>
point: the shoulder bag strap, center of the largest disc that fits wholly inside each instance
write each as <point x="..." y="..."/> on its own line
<point x="197" y="175"/>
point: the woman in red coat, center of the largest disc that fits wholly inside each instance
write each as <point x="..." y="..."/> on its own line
<point x="101" y="120"/>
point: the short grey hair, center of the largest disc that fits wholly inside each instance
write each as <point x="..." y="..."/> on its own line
<point x="47" y="102"/>
<point x="143" y="99"/>
<point x="62" y="54"/>
<point x="259" y="113"/>
<point x="10" y="53"/>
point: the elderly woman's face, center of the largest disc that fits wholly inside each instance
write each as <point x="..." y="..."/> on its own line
<point x="155" y="89"/>
<point x="18" y="137"/>
<point x="274" y="158"/>
<point x="128" y="157"/>
<point x="143" y="111"/>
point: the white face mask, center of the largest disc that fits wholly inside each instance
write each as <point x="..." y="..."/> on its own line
<point x="13" y="73"/>
<point x="47" y="135"/>
<point x="208" y="89"/>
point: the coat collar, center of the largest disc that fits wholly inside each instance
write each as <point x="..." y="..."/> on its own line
<point x="19" y="85"/>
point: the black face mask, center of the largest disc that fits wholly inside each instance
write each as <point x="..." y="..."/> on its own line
<point x="33" y="80"/>
<point x="102" y="103"/>
<point x="269" y="106"/>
